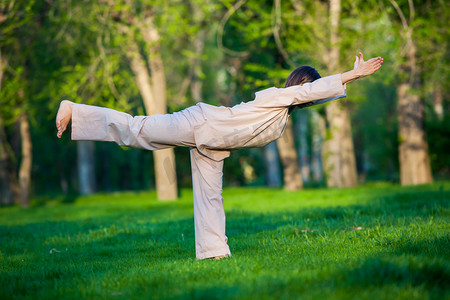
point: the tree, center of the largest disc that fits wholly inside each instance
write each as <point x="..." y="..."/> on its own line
<point x="27" y="160"/>
<point x="413" y="147"/>
<point x="272" y="167"/>
<point x="85" y="163"/>
<point x="134" y="21"/>
<point x="303" y="145"/>
<point x="110" y="68"/>
<point x="338" y="152"/>
<point x="255" y="28"/>
<point x="16" y="35"/>
<point x="317" y="133"/>
<point x="6" y="180"/>
<point x="289" y="158"/>
<point x="322" y="42"/>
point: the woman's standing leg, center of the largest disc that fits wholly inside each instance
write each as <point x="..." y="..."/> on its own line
<point x="209" y="215"/>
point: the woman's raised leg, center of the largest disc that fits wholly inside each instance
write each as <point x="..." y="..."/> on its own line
<point x="209" y="215"/>
<point x="148" y="132"/>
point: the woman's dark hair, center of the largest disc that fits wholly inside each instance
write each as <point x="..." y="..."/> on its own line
<point x="302" y="75"/>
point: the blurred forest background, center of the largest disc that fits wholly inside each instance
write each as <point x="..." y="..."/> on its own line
<point x="158" y="56"/>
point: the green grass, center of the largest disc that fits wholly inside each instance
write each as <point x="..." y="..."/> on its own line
<point x="285" y="245"/>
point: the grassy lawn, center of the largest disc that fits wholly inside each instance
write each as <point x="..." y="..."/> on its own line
<point x="373" y="242"/>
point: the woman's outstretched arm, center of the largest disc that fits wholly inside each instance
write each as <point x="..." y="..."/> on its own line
<point x="362" y="68"/>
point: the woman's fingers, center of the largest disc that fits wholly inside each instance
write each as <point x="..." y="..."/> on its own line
<point x="376" y="63"/>
<point x="61" y="127"/>
<point x="63" y="116"/>
<point x="61" y="130"/>
<point x="355" y="65"/>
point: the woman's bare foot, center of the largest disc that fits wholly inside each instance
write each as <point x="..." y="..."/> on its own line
<point x="63" y="116"/>
<point x="220" y="257"/>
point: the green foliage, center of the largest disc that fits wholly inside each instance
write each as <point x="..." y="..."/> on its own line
<point x="380" y="241"/>
<point x="16" y="31"/>
<point x="375" y="131"/>
<point x="439" y="143"/>
<point x="17" y="16"/>
<point x="8" y="97"/>
<point x="75" y="50"/>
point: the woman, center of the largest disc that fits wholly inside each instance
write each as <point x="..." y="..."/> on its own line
<point x="211" y="132"/>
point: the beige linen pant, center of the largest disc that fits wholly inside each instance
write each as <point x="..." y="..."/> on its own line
<point x="160" y="132"/>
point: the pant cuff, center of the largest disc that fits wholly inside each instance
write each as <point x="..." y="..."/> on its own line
<point x="211" y="254"/>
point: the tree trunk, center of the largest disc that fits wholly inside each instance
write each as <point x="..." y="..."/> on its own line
<point x="199" y="44"/>
<point x="2" y="66"/>
<point x="197" y="83"/>
<point x="289" y="159"/>
<point x="153" y="91"/>
<point x="6" y="193"/>
<point x="338" y="153"/>
<point x="272" y="166"/>
<point x="318" y="134"/>
<point x="303" y="148"/>
<point x="438" y="102"/>
<point x="413" y="146"/>
<point x="86" y="169"/>
<point x="26" y="162"/>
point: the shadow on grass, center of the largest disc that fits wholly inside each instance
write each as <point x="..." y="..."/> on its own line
<point x="401" y="270"/>
<point x="42" y="201"/>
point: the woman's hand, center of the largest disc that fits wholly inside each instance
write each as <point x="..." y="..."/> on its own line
<point x="362" y="68"/>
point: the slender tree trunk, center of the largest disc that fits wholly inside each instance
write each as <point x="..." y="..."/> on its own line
<point x="199" y="44"/>
<point x="272" y="166"/>
<point x="86" y="169"/>
<point x="338" y="152"/>
<point x="234" y="67"/>
<point x="153" y="91"/>
<point x="197" y="83"/>
<point x="318" y="134"/>
<point x="289" y="159"/>
<point x="26" y="162"/>
<point x="2" y="63"/>
<point x="303" y="149"/>
<point x="6" y="194"/>
<point x="63" y="182"/>
<point x="105" y="166"/>
<point x="438" y="102"/>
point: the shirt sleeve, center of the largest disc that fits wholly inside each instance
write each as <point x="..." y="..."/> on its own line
<point x="325" y="88"/>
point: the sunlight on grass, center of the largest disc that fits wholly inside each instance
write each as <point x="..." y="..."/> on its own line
<point x="371" y="242"/>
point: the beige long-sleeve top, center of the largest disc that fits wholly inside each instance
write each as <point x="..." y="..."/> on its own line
<point x="213" y="130"/>
<point x="261" y="121"/>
